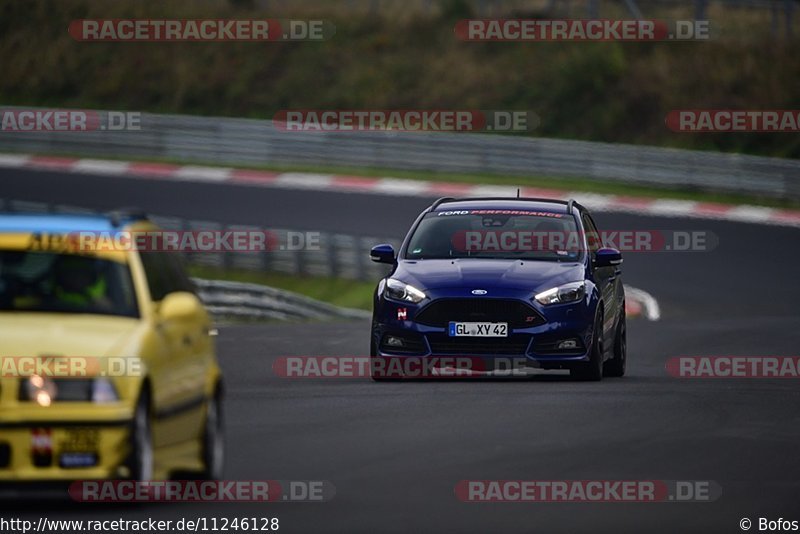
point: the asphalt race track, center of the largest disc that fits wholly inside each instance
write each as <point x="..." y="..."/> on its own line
<point x="394" y="452"/>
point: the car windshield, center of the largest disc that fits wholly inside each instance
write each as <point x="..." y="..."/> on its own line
<point x="496" y="234"/>
<point x="40" y="281"/>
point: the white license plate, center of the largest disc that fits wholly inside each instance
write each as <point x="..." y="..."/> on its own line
<point x="477" y="329"/>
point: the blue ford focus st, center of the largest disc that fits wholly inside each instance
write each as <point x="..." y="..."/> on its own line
<point x="511" y="278"/>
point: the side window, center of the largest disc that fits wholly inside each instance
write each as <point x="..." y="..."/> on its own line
<point x="181" y="280"/>
<point x="592" y="235"/>
<point x="165" y="274"/>
<point x="157" y="273"/>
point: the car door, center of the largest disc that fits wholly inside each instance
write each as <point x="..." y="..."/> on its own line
<point x="197" y="351"/>
<point x="178" y="386"/>
<point x="606" y="278"/>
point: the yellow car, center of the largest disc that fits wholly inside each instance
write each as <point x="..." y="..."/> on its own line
<point x="107" y="361"/>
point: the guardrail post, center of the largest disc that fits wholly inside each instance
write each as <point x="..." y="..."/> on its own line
<point x="361" y="270"/>
<point x="331" y="254"/>
<point x="300" y="260"/>
<point x="186" y="226"/>
<point x="266" y="258"/>
<point x="227" y="255"/>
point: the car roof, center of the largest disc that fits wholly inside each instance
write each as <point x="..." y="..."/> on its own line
<point x="546" y="205"/>
<point x="50" y="223"/>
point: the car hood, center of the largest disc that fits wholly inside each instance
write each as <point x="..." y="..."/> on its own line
<point x="487" y="274"/>
<point x="36" y="334"/>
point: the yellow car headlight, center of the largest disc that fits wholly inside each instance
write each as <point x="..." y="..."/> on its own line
<point x="44" y="391"/>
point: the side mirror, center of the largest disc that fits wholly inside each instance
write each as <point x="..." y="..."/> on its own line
<point x="607" y="257"/>
<point x="382" y="254"/>
<point x="180" y="305"/>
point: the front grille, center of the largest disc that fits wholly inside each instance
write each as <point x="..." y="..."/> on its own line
<point x="5" y="455"/>
<point x="444" y="344"/>
<point x="516" y="313"/>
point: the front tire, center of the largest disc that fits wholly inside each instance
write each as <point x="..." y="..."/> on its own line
<point x="592" y="371"/>
<point x="214" y="439"/>
<point x="615" y="367"/>
<point x="142" y="460"/>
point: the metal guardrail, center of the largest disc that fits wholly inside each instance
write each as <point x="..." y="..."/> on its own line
<point x="231" y="141"/>
<point x="337" y="256"/>
<point x="253" y="301"/>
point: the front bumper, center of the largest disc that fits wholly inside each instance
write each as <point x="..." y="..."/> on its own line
<point x="64" y="443"/>
<point x="535" y="346"/>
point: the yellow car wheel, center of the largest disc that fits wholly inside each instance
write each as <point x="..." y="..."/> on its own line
<point x="214" y="439"/>
<point x="142" y="457"/>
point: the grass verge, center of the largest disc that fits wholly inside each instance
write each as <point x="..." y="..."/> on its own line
<point x="336" y="291"/>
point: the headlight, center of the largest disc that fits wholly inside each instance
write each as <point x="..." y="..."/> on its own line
<point x="44" y="391"/>
<point x="39" y="389"/>
<point x="571" y="292"/>
<point x="103" y="391"/>
<point x="395" y="289"/>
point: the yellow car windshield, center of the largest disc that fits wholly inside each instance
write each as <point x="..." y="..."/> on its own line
<point x="47" y="281"/>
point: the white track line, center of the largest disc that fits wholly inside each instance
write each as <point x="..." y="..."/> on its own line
<point x="673" y="208"/>
<point x="395" y="186"/>
<point x="100" y="166"/>
<point x="13" y="160"/>
<point x="302" y="180"/>
<point x="199" y="173"/>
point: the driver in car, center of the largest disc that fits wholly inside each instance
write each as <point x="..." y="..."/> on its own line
<point x="78" y="284"/>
